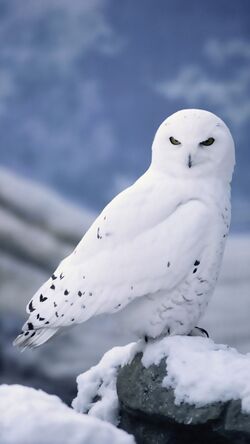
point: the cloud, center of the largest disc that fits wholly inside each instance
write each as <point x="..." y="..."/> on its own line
<point x="63" y="31"/>
<point x="202" y="85"/>
<point x="43" y="70"/>
<point x="222" y="51"/>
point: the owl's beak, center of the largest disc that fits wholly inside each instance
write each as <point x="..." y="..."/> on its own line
<point x="189" y="161"/>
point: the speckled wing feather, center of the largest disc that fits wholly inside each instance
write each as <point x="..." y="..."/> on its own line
<point x="129" y="251"/>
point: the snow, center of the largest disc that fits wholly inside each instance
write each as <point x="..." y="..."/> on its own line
<point x="100" y="383"/>
<point x="200" y="372"/>
<point x="33" y="417"/>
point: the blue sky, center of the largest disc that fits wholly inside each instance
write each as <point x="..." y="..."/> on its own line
<point x="84" y="85"/>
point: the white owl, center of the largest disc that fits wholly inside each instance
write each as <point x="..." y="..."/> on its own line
<point x="154" y="253"/>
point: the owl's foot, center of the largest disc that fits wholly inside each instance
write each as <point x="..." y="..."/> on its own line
<point x="198" y="331"/>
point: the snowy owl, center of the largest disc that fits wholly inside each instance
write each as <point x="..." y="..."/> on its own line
<point x="153" y="254"/>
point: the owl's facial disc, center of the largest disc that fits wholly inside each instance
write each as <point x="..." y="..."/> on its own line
<point x="193" y="143"/>
<point x="204" y="143"/>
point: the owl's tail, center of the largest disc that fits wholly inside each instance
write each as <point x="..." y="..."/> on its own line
<point x="34" y="338"/>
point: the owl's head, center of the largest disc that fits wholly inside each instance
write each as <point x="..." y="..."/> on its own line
<point x="194" y="143"/>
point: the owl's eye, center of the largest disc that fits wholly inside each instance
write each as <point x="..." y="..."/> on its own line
<point x="208" y="142"/>
<point x="174" y="141"/>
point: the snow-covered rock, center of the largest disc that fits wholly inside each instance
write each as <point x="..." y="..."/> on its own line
<point x="184" y="381"/>
<point x="33" y="417"/>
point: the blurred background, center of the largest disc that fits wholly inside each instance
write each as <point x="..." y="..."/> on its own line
<point x="84" y="85"/>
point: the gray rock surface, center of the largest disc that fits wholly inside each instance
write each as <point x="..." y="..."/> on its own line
<point x="148" y="410"/>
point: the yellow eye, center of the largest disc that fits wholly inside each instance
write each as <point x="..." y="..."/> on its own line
<point x="208" y="142"/>
<point x="174" y="141"/>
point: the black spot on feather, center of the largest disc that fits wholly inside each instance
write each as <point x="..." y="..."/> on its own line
<point x="47" y="322"/>
<point x="66" y="292"/>
<point x="196" y="263"/>
<point x="42" y="298"/>
<point x="55" y="304"/>
<point x="52" y="287"/>
<point x="194" y="270"/>
<point x="33" y="334"/>
<point x="79" y="294"/>
<point x="168" y="264"/>
<point x="30" y="326"/>
<point x="53" y="277"/>
<point x="98" y="233"/>
<point x="57" y="315"/>
<point x="26" y="333"/>
<point x="61" y="276"/>
<point x="31" y="308"/>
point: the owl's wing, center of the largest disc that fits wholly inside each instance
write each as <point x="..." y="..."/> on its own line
<point x="117" y="263"/>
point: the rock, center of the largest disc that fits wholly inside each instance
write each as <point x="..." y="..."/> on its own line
<point x="149" y="411"/>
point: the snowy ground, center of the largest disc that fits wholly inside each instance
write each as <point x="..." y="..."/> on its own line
<point x="33" y="417"/>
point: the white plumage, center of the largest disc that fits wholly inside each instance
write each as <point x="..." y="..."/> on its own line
<point x="154" y="253"/>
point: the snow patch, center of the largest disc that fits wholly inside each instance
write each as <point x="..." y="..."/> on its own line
<point x="32" y="416"/>
<point x="97" y="394"/>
